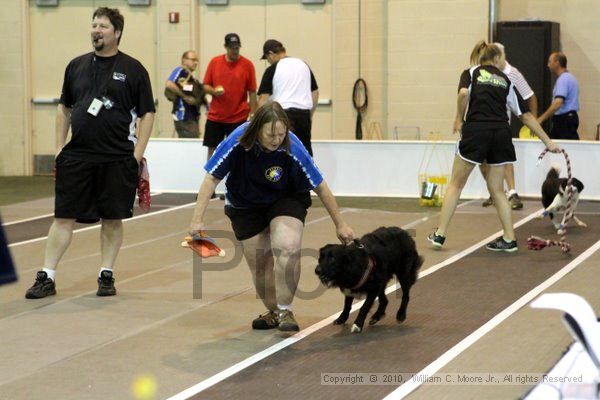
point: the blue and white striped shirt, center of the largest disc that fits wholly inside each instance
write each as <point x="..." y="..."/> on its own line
<point x="257" y="178"/>
<point x="182" y="111"/>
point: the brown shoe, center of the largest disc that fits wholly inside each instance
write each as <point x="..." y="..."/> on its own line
<point x="267" y="320"/>
<point x="287" y="322"/>
<point x="515" y="202"/>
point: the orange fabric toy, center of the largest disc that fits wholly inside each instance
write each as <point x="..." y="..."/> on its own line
<point x="203" y="245"/>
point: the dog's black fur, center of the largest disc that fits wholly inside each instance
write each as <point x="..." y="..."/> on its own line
<point x="554" y="195"/>
<point x="343" y="266"/>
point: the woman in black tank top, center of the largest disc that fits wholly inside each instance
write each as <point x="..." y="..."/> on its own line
<point x="486" y="137"/>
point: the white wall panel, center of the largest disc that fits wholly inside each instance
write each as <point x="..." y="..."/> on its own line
<point x="380" y="169"/>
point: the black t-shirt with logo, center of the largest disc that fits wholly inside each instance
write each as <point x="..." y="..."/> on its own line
<point x="110" y="135"/>
<point x="257" y="178"/>
<point x="490" y="93"/>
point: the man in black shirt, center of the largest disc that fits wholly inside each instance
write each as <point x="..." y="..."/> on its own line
<point x="103" y="95"/>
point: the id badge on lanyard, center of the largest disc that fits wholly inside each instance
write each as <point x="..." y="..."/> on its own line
<point x="95" y="107"/>
<point x="102" y="101"/>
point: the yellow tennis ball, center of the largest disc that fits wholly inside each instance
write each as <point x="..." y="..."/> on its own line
<point x="144" y="387"/>
<point x="525" y="133"/>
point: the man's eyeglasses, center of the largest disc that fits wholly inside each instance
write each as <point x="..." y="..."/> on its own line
<point x="191" y="59"/>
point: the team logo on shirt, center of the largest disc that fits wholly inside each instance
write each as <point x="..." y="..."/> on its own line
<point x="118" y="76"/>
<point x="485" y="78"/>
<point x="274" y="173"/>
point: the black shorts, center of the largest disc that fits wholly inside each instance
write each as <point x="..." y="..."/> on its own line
<point x="188" y="129"/>
<point x="215" y="132"/>
<point x="90" y="191"/>
<point x="486" y="142"/>
<point x="249" y="222"/>
<point x="301" y="125"/>
<point x="564" y="126"/>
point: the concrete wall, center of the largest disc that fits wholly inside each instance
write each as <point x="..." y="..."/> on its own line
<point x="579" y="31"/>
<point x="429" y="42"/>
<point x="172" y="41"/>
<point x="410" y="53"/>
<point x="15" y="154"/>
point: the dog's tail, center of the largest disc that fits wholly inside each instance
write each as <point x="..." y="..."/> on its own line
<point x="417" y="262"/>
<point x="554" y="172"/>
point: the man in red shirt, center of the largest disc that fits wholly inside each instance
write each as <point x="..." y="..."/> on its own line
<point x="231" y="80"/>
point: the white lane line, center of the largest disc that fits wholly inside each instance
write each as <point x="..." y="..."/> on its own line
<point x="28" y="219"/>
<point x="476" y="246"/>
<point x="161" y="238"/>
<point x="89" y="228"/>
<point x="464" y="344"/>
<point x="52" y="214"/>
<point x="234" y="369"/>
<point x="155" y="323"/>
<point x="69" y="260"/>
<point x="131" y="245"/>
<point x="342" y="211"/>
<point x="144" y="216"/>
<point x="468" y="203"/>
<point x="137" y="331"/>
<point x="119" y="282"/>
<point x="428" y="217"/>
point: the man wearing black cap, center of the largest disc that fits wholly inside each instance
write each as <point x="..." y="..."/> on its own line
<point x="290" y="82"/>
<point x="231" y="80"/>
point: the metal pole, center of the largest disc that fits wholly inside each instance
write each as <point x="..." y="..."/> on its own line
<point x="493" y="16"/>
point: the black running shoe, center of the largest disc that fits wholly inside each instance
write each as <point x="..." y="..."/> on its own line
<point x="436" y="240"/>
<point x="488" y="202"/>
<point x="106" y="284"/>
<point x="42" y="287"/>
<point x="502" y="245"/>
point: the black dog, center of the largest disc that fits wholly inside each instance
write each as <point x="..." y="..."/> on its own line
<point x="554" y="196"/>
<point x="365" y="266"/>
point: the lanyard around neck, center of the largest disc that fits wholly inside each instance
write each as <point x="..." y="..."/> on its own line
<point x="95" y="68"/>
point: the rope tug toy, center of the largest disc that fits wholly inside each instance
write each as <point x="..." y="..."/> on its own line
<point x="538" y="243"/>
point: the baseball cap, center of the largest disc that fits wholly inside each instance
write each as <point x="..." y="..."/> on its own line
<point x="232" y="40"/>
<point x="271" y="45"/>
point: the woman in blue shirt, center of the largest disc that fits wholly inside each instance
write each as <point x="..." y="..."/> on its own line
<point x="269" y="177"/>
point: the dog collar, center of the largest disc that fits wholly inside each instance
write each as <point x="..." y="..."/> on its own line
<point x="370" y="268"/>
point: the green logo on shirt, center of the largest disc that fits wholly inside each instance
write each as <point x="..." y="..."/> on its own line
<point x="486" y="78"/>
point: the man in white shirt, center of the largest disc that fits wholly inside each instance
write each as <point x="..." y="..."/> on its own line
<point x="290" y="82"/>
<point x="517" y="79"/>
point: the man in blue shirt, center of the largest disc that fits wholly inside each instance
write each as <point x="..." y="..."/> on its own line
<point x="565" y="103"/>
<point x="186" y="107"/>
